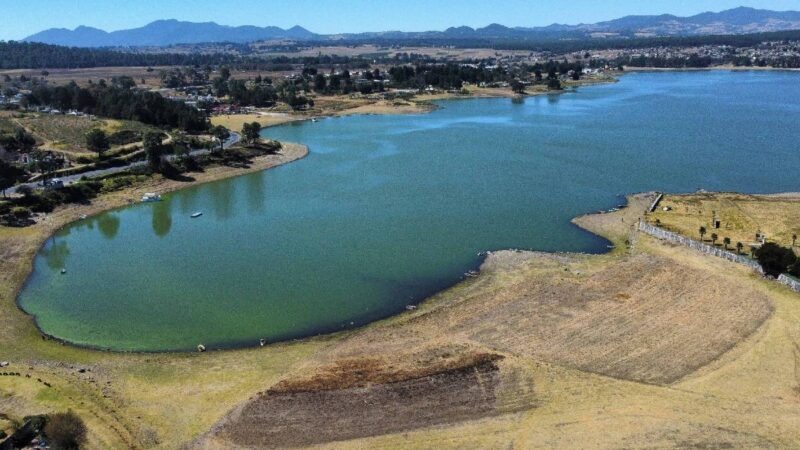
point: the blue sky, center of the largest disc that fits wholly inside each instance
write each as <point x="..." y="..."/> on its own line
<point x="25" y="17"/>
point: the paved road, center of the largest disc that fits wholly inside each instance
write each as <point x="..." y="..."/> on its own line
<point x="233" y="140"/>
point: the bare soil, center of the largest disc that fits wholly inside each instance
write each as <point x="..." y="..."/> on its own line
<point x="283" y="417"/>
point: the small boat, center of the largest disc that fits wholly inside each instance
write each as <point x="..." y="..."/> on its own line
<point x="63" y="271"/>
<point x="313" y="119"/>
<point x="262" y="342"/>
<point x="411" y="307"/>
<point x="83" y="216"/>
<point x="197" y="214"/>
<point x="151" y="197"/>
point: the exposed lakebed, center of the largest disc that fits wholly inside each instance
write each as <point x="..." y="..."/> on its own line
<point x="387" y="210"/>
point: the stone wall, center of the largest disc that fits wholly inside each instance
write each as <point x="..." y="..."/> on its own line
<point x="789" y="281"/>
<point x="699" y="246"/>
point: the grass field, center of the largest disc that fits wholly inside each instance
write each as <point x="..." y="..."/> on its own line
<point x="83" y="76"/>
<point x="741" y="216"/>
<point x="67" y="134"/>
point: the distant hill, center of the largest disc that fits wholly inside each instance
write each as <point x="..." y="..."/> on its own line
<point x="170" y="32"/>
<point x="166" y="32"/>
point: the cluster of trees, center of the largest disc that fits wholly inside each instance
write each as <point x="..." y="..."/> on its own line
<point x="31" y="55"/>
<point x="776" y="260"/>
<point x="20" y="141"/>
<point x="773" y="258"/>
<point x="261" y="92"/>
<point x="444" y="76"/>
<point x="188" y="76"/>
<point x="120" y="101"/>
<point x="251" y="132"/>
<point x="344" y="82"/>
<point x="10" y="174"/>
<point x="692" y="61"/>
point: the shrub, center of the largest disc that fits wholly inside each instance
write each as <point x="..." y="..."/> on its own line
<point x="794" y="269"/>
<point x="66" y="431"/>
<point x="124" y="137"/>
<point x="20" y="212"/>
<point x="775" y="259"/>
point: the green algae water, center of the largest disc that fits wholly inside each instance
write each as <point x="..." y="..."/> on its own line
<point x="387" y="210"/>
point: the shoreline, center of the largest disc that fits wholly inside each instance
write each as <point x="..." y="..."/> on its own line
<point x="420" y="104"/>
<point x="72" y="213"/>
<point x="57" y="220"/>
<point x="727" y="68"/>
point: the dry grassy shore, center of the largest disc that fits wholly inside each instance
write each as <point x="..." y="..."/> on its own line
<point x="343" y="105"/>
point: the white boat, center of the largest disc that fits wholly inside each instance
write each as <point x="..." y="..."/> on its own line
<point x="151" y="197"/>
<point x="197" y="214"/>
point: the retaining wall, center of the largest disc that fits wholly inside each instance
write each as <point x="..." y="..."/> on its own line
<point x="699" y="246"/>
<point x="789" y="281"/>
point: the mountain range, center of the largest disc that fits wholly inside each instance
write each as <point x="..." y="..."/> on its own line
<point x="171" y="32"/>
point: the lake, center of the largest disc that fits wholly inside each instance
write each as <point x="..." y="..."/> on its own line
<point x="387" y="210"/>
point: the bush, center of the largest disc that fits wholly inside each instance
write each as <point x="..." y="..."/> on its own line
<point x="66" y="431"/>
<point x="20" y="212"/>
<point x="84" y="160"/>
<point x="124" y="137"/>
<point x="775" y="259"/>
<point x="794" y="269"/>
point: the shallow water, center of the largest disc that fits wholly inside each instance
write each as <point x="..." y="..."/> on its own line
<point x="387" y="210"/>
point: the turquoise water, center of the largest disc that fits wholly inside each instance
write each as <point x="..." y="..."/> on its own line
<point x="387" y="210"/>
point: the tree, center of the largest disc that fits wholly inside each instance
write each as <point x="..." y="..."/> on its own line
<point x="739" y="247"/>
<point x="714" y="238"/>
<point x="65" y="431"/>
<point x="97" y="141"/>
<point x="222" y="134"/>
<point x="9" y="175"/>
<point x="320" y="83"/>
<point x="251" y="132"/>
<point x="554" y="84"/>
<point x="702" y="233"/>
<point x="225" y="73"/>
<point x="726" y="242"/>
<point x="153" y="149"/>
<point x="794" y="269"/>
<point x="775" y="259"/>
<point x="517" y="87"/>
<point x="24" y="141"/>
<point x="25" y="190"/>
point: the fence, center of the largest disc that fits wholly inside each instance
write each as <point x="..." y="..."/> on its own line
<point x="699" y="246"/>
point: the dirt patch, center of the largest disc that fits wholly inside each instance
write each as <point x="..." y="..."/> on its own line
<point x="338" y="405"/>
<point x="637" y="317"/>
<point x="361" y="372"/>
<point x="644" y="318"/>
